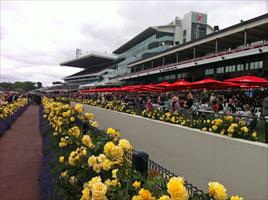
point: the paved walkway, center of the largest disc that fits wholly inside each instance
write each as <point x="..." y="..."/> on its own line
<point x="20" y="158"/>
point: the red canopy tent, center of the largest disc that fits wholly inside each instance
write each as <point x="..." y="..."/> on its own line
<point x="180" y="84"/>
<point x="249" y="80"/>
<point x="212" y="84"/>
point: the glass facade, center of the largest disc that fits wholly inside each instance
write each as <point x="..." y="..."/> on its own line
<point x="136" y="52"/>
<point x="198" y="30"/>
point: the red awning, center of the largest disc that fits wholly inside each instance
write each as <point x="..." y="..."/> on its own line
<point x="249" y="80"/>
<point x="212" y="84"/>
<point x="180" y="84"/>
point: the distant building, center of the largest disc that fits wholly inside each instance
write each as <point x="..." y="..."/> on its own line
<point x="149" y="42"/>
<point x="186" y="48"/>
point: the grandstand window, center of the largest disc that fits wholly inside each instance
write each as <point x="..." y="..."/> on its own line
<point x="246" y="66"/>
<point x="173" y="76"/>
<point x="260" y="64"/>
<point x="166" y="77"/>
<point x="220" y="70"/>
<point x="240" y="67"/>
<point x="209" y="71"/>
<point x="226" y="69"/>
<point x="252" y="65"/>
<point x="184" y="75"/>
<point x="256" y="65"/>
<point x="159" y="78"/>
<point x="230" y="68"/>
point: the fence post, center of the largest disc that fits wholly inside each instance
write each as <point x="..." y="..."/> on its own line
<point x="140" y="161"/>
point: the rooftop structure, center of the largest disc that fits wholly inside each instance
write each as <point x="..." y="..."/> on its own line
<point x="236" y="47"/>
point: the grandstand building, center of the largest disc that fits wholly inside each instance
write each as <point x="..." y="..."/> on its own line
<point x="186" y="48"/>
<point x="240" y="49"/>
<point x="101" y="68"/>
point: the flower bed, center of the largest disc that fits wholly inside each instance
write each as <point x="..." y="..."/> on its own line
<point x="9" y="112"/>
<point x="228" y="125"/>
<point x="82" y="162"/>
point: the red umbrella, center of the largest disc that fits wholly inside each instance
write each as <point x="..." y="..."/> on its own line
<point x="162" y="86"/>
<point x="250" y="80"/>
<point x="212" y="84"/>
<point x="151" y="88"/>
<point x="180" y="84"/>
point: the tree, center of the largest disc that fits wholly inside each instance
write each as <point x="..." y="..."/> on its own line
<point x="26" y="85"/>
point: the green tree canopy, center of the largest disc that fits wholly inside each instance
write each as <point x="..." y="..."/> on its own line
<point x="25" y="85"/>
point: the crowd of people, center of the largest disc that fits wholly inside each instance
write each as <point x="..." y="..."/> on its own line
<point x="246" y="103"/>
<point x="11" y="96"/>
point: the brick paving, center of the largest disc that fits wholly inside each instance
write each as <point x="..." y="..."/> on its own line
<point x="20" y="158"/>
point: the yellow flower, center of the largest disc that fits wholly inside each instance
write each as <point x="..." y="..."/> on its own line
<point x="136" y="184"/>
<point x="254" y="134"/>
<point x="236" y="198"/>
<point x="97" y="168"/>
<point x="78" y="108"/>
<point x="125" y="145"/>
<point x="176" y="189"/>
<point x="92" y="160"/>
<point x="99" y="190"/>
<point x="114" y="173"/>
<point x="244" y="129"/>
<point x="89" y="116"/>
<point x="218" y="122"/>
<point x="208" y="121"/>
<point x="94" y="124"/>
<point x="73" y="180"/>
<point x="63" y="143"/>
<point x="112" y="132"/>
<point x="113" y="182"/>
<point x="61" y="159"/>
<point x="217" y="191"/>
<point x="210" y="129"/>
<point x="73" y="158"/>
<point x="204" y="129"/>
<point x="113" y="151"/>
<point x="146" y="194"/>
<point x="214" y="127"/>
<point x="75" y="131"/>
<point x="242" y="123"/>
<point x="137" y="197"/>
<point x="106" y="165"/>
<point x="64" y="174"/>
<point x="230" y="130"/>
<point x="85" y="194"/>
<point x="222" y="132"/>
<point x="86" y="140"/>
<point x="165" y="197"/>
<point x="66" y="114"/>
<point x="72" y="119"/>
<point x="234" y="125"/>
<point x="230" y="118"/>
<point x="173" y="119"/>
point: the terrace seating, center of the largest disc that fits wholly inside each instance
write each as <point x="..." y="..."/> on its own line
<point x="243" y="48"/>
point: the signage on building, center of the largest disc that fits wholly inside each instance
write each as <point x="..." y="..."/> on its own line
<point x="199" y="18"/>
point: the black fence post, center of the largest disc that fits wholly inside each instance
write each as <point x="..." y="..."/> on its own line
<point x="140" y="161"/>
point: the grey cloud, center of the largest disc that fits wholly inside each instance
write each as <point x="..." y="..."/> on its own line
<point x="42" y="63"/>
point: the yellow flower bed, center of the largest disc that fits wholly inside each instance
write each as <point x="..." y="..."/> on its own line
<point x="8" y="109"/>
<point x="94" y="165"/>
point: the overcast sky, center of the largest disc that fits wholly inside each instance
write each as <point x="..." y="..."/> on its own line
<point x="37" y="35"/>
